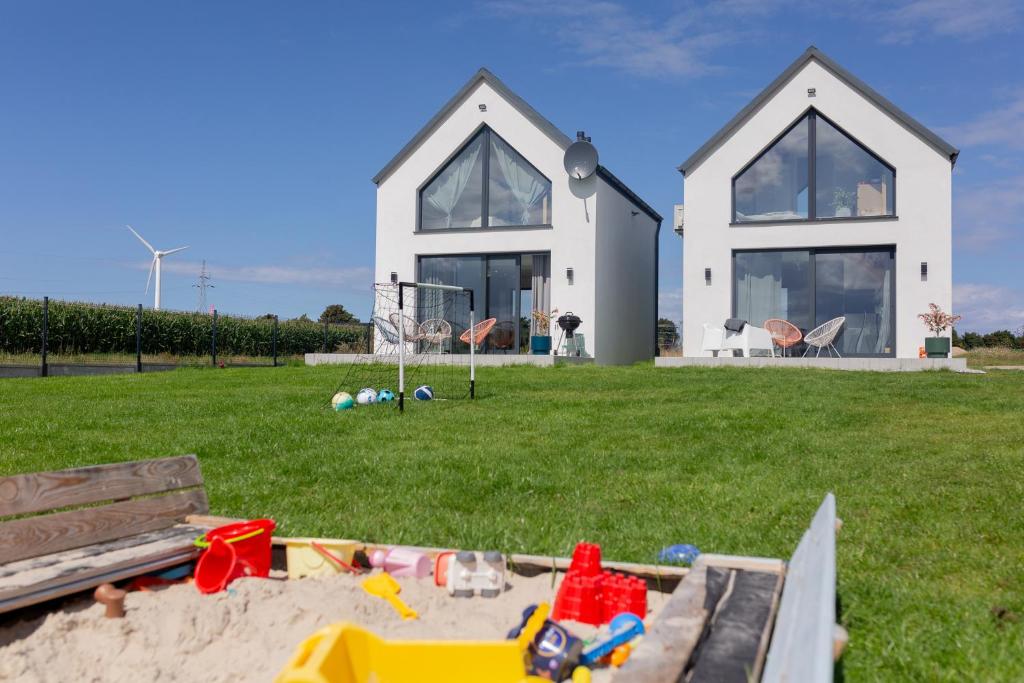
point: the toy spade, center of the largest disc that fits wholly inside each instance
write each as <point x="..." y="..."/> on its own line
<point x="384" y="586"/>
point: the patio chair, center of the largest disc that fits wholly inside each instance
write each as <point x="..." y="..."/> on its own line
<point x="717" y="339"/>
<point x="478" y="332"/>
<point x="388" y="331"/>
<point x="785" y="334"/>
<point x="436" y="331"/>
<point x="412" y="329"/>
<point x="503" y="336"/>
<point x="823" y="335"/>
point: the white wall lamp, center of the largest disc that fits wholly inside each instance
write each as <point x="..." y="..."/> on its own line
<point x="394" y="278"/>
<point x="924" y="271"/>
<point x="569" y="275"/>
<point x="707" y="277"/>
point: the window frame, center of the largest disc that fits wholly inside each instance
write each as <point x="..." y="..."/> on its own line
<point x="812" y="281"/>
<point x="486" y="131"/>
<point x="812" y="181"/>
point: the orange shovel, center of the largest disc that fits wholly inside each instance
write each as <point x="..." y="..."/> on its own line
<point x="384" y="586"/>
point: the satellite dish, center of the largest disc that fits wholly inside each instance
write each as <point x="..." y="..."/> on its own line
<point x="581" y="158"/>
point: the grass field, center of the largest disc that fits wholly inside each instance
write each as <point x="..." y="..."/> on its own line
<point x="927" y="470"/>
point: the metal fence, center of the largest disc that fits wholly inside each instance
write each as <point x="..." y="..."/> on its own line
<point x="45" y="337"/>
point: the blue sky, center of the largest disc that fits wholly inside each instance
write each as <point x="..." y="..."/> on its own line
<point x="250" y="130"/>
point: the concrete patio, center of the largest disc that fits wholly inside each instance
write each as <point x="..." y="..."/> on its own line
<point x="872" y="364"/>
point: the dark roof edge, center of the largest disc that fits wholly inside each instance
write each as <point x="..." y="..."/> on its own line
<point x="486" y="76"/>
<point x="863" y="88"/>
<point x="610" y="178"/>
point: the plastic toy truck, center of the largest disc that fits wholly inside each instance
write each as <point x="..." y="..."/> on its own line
<point x="467" y="573"/>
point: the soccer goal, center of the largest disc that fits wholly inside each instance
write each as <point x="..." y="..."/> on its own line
<point x="425" y="339"/>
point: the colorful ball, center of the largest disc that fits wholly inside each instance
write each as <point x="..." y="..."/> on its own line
<point x="385" y="396"/>
<point x="424" y="393"/>
<point x="342" y="401"/>
<point x="366" y="396"/>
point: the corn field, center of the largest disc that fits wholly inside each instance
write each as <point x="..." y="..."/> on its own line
<point x="83" y="328"/>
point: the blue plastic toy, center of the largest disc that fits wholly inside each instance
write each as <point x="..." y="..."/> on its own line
<point x="622" y="629"/>
<point x="683" y="553"/>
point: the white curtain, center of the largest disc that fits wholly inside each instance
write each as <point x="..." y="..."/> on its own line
<point x="522" y="181"/>
<point x="447" y="189"/>
<point x="541" y="287"/>
<point x="885" y="315"/>
<point x="758" y="298"/>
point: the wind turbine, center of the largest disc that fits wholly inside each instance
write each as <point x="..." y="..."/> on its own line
<point x="158" y="257"/>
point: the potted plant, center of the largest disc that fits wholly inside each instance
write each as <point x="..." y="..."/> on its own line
<point x="842" y="201"/>
<point x="938" y="322"/>
<point x="540" y="341"/>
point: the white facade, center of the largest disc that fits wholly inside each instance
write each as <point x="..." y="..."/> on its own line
<point x="920" y="231"/>
<point x="599" y="229"/>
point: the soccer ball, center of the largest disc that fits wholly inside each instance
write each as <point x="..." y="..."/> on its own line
<point x="424" y="393"/>
<point x="366" y="396"/>
<point x="385" y="396"/>
<point x="341" y="401"/>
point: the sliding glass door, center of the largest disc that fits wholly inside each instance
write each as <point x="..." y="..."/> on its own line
<point x="505" y="287"/>
<point x="809" y="287"/>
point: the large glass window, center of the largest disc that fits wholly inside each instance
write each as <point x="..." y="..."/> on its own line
<point x="487" y="184"/>
<point x="813" y="171"/>
<point x="809" y="287"/>
<point x="775" y="186"/>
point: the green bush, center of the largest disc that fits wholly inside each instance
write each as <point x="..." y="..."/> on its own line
<point x="91" y="328"/>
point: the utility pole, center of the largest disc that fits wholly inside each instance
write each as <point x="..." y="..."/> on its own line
<point x="202" y="284"/>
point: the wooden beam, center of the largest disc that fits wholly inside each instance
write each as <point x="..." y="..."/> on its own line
<point x="666" y="648"/>
<point x="22" y="494"/>
<point x="753" y="564"/>
<point x="34" y="536"/>
<point x="803" y="641"/>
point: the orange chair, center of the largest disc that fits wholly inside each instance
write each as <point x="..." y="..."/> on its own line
<point x="785" y="334"/>
<point x="478" y="332"/>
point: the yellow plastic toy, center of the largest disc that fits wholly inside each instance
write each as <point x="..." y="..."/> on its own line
<point x="303" y="560"/>
<point x="384" y="586"/>
<point x="345" y="653"/>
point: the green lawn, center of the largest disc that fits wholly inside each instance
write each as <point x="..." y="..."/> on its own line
<point x="926" y="468"/>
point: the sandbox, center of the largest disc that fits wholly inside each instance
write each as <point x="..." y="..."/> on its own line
<point x="249" y="632"/>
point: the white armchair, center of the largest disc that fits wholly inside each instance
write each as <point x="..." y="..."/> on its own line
<point x="717" y="339"/>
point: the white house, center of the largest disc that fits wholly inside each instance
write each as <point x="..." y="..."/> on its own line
<point x="480" y="198"/>
<point x="819" y="199"/>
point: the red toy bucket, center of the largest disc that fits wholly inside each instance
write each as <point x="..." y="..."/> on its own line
<point x="234" y="550"/>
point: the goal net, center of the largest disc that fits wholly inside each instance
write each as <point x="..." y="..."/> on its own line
<point x="421" y="335"/>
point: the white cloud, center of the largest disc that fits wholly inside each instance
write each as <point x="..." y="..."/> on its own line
<point x="986" y="215"/>
<point x="670" y="304"/>
<point x="1001" y="127"/>
<point x="352" y="277"/>
<point x="613" y="35"/>
<point x="909" y="21"/>
<point x="987" y="307"/>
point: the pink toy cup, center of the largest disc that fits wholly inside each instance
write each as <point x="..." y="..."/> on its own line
<point x="402" y="562"/>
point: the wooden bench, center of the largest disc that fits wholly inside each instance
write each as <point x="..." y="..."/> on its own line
<point x="68" y="531"/>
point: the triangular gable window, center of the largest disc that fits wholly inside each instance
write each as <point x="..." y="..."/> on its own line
<point x="486" y="184"/>
<point x="813" y="171"/>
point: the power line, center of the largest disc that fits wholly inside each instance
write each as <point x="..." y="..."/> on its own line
<point x="202" y="284"/>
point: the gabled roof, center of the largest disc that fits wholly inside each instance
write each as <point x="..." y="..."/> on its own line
<point x="487" y="77"/>
<point x="549" y="129"/>
<point x="813" y="53"/>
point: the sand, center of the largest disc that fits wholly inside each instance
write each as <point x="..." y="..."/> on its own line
<point x="247" y="633"/>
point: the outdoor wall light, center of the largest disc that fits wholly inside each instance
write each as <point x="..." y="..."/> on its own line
<point x="394" y="278"/>
<point x="569" y="275"/>
<point x="811" y="92"/>
<point x="924" y="271"/>
<point x="482" y="107"/>
<point x="707" y="276"/>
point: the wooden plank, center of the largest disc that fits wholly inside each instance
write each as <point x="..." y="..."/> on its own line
<point x="37" y="492"/>
<point x="35" y="536"/>
<point x="754" y="564"/>
<point x="666" y="648"/>
<point x="729" y="653"/>
<point x="644" y="571"/>
<point x="28" y="572"/>
<point x="74" y="584"/>
<point x="802" y="643"/>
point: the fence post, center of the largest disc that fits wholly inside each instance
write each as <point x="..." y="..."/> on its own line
<point x="138" y="339"/>
<point x="273" y="343"/>
<point x="213" y="339"/>
<point x="369" y="339"/>
<point x="324" y="350"/>
<point x="45" y="370"/>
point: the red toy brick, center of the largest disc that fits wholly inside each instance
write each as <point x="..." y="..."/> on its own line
<point x="592" y="596"/>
